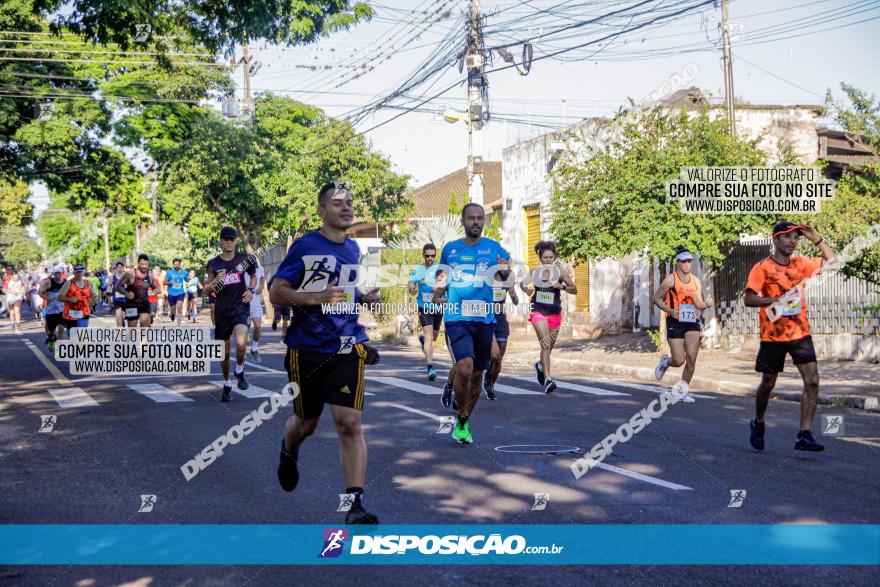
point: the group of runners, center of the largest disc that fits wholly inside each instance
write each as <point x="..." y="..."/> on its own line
<point x="328" y="351"/>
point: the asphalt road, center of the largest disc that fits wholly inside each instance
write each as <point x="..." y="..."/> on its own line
<point x="115" y="439"/>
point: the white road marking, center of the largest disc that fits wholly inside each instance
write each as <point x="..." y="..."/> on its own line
<point x="645" y="478"/>
<point x="642" y="386"/>
<point x="410" y="385"/>
<point x="415" y="411"/>
<point x="570" y="386"/>
<point x="515" y="390"/>
<point x="251" y="392"/>
<point x="262" y="368"/>
<point x="72" y="397"/>
<point x="159" y="393"/>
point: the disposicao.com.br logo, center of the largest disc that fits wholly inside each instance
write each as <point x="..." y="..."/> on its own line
<point x="431" y="544"/>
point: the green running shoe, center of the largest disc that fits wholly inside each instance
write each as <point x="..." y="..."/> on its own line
<point x="51" y="345"/>
<point x="462" y="433"/>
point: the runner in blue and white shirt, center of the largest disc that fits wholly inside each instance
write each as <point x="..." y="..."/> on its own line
<point x="469" y="266"/>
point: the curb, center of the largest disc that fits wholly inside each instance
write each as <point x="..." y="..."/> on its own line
<point x="727" y="387"/>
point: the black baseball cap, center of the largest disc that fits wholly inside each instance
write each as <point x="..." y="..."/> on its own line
<point x="227" y="233"/>
<point x="79" y="267"/>
<point x="784" y="226"/>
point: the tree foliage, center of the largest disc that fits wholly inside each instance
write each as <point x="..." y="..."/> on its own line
<point x="15" y="210"/>
<point x="856" y="205"/>
<point x="609" y="189"/>
<point x="17" y="247"/>
<point x="264" y="179"/>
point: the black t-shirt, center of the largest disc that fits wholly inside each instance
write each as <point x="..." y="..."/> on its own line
<point x="229" y="292"/>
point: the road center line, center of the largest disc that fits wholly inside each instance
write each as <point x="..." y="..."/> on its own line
<point x="415" y="411"/>
<point x="47" y="363"/>
<point x="642" y="477"/>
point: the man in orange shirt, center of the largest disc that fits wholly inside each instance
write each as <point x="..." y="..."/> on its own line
<point x="784" y="325"/>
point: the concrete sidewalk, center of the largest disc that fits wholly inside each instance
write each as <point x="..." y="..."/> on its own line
<point x="632" y="356"/>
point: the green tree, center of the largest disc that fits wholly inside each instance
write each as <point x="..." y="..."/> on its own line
<point x="17" y="247"/>
<point x="455" y="207"/>
<point x="856" y="204"/>
<point x="15" y="210"/>
<point x="217" y="24"/>
<point x="166" y="243"/>
<point x="264" y="179"/>
<point x="610" y="200"/>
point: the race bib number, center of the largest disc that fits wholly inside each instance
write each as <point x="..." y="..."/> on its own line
<point x="75" y="314"/>
<point x="792" y="309"/>
<point x="428" y="297"/>
<point x="232" y="278"/>
<point x="177" y="285"/>
<point x="474" y="308"/>
<point x="545" y="297"/>
<point x="131" y="312"/>
<point x="498" y="294"/>
<point x="687" y="313"/>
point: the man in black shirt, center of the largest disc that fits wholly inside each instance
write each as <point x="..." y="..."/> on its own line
<point x="232" y="305"/>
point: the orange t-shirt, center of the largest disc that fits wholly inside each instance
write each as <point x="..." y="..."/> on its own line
<point x="770" y="279"/>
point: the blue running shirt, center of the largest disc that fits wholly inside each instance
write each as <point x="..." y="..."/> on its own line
<point x="426" y="278"/>
<point x="176" y="280"/>
<point x="311" y="263"/>
<point x="469" y="284"/>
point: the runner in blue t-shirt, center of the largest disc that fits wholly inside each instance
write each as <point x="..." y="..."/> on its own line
<point x="326" y="344"/>
<point x="421" y="284"/>
<point x="470" y="264"/>
<point x="175" y="279"/>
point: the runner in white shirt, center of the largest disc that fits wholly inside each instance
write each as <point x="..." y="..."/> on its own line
<point x="256" y="285"/>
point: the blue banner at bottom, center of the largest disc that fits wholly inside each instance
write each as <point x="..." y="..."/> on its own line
<point x="607" y="544"/>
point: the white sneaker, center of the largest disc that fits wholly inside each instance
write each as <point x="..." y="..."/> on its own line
<point x="661" y="368"/>
<point x="680" y="389"/>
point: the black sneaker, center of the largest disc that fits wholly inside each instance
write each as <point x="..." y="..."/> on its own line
<point x="549" y="386"/>
<point x="288" y="471"/>
<point x="539" y="373"/>
<point x="805" y="441"/>
<point x="358" y="515"/>
<point x="756" y="438"/>
<point x="446" y="398"/>
<point x="242" y="384"/>
<point x="227" y="394"/>
<point x="274" y="326"/>
<point x="490" y="390"/>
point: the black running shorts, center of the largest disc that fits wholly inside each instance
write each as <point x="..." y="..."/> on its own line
<point x="676" y="329"/>
<point x="771" y="354"/>
<point x="336" y="379"/>
<point x="225" y="325"/>
<point x="428" y="318"/>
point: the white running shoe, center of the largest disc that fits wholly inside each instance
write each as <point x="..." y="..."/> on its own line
<point x="680" y="389"/>
<point x="661" y="368"/>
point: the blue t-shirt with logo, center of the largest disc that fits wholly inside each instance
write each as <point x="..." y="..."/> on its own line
<point x="176" y="280"/>
<point x="469" y="283"/>
<point x="311" y="263"/>
<point x="425" y="278"/>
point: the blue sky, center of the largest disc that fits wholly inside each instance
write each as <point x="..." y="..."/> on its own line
<point x="555" y="92"/>
<point x="830" y="41"/>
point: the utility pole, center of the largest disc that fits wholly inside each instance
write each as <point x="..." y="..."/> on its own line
<point x="728" y="66"/>
<point x="249" y="68"/>
<point x="475" y="65"/>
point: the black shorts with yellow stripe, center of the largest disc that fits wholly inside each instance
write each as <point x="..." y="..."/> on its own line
<point x="336" y="379"/>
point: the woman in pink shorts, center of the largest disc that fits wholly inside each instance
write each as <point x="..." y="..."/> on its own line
<point x="545" y="285"/>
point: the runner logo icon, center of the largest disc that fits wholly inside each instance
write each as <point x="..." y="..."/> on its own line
<point x="318" y="269"/>
<point x="737" y="496"/>
<point x="47" y="424"/>
<point x="334" y="541"/>
<point x="541" y="500"/>
<point x="346" y="500"/>
<point x="147" y="503"/>
<point x="346" y="343"/>
<point x="832" y="425"/>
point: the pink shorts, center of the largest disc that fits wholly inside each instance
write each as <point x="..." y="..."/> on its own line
<point x="554" y="321"/>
